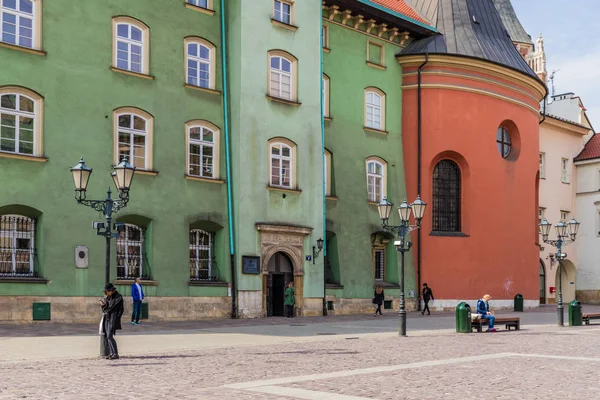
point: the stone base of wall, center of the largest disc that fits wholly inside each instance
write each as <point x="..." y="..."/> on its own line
<point x="496" y="304"/>
<point x="588" y="296"/>
<point x="311" y="307"/>
<point x="250" y="304"/>
<point x="342" y="306"/>
<point x="18" y="309"/>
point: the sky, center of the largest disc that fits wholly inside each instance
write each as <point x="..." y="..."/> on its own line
<point x="570" y="29"/>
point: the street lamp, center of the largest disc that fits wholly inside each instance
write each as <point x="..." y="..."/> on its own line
<point x="566" y="234"/>
<point x="404" y="210"/>
<point x="122" y="177"/>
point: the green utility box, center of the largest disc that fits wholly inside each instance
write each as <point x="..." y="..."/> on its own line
<point x="463" y="318"/>
<point x="575" y="317"/>
<point x="519" y="302"/>
<point x="41" y="311"/>
<point x="144" y="311"/>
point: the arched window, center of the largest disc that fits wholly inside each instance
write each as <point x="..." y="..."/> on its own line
<point x="203" y="149"/>
<point x="130" y="252"/>
<point x="200" y="63"/>
<point x="446" y="197"/>
<point x="282" y="75"/>
<point x="282" y="163"/>
<point x="131" y="45"/>
<point x="20" y="121"/>
<point x="327" y="168"/>
<point x="199" y="3"/>
<point x="133" y="137"/>
<point x="20" y="23"/>
<point x="201" y="254"/>
<point x="376" y="179"/>
<point x="17" y="246"/>
<point x="325" y="96"/>
<point x="374" y="109"/>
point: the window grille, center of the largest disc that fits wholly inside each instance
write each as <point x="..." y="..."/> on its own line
<point x="17" y="246"/>
<point x="379" y="260"/>
<point x="130" y="254"/>
<point x="201" y="255"/>
<point x="446" y="197"/>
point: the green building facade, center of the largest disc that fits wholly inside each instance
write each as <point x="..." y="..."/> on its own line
<point x="246" y="174"/>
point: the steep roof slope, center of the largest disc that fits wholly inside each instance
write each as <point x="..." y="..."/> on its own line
<point x="401" y="7"/>
<point x="511" y="21"/>
<point x="591" y="150"/>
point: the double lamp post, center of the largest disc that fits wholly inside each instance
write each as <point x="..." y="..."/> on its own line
<point x="566" y="233"/>
<point x="404" y="210"/>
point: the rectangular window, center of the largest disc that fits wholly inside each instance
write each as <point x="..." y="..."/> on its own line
<point x="379" y="263"/>
<point x="542" y="165"/>
<point x="199" y="3"/>
<point x="564" y="171"/>
<point x="201" y="255"/>
<point x="17" y="248"/>
<point x="130" y="253"/>
<point x="541" y="214"/>
<point x="564" y="216"/>
<point x="325" y="36"/>
<point x="17" y="22"/>
<point x="375" y="53"/>
<point x="282" y="12"/>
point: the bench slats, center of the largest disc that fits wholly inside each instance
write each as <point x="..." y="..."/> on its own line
<point x="513" y="322"/>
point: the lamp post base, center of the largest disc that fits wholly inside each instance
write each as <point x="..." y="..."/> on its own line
<point x="402" y="327"/>
<point x="560" y="315"/>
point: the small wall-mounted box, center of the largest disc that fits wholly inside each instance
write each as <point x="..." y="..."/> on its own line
<point x="81" y="256"/>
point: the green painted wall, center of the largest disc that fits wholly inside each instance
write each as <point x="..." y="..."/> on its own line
<point x="80" y="94"/>
<point x="255" y="120"/>
<point x="351" y="219"/>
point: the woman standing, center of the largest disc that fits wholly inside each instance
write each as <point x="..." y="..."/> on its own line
<point x="379" y="295"/>
<point x="289" y="300"/>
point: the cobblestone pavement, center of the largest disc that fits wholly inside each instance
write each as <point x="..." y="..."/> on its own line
<point x="539" y="362"/>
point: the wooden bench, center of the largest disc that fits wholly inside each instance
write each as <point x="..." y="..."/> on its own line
<point x="587" y="317"/>
<point x="509" y="322"/>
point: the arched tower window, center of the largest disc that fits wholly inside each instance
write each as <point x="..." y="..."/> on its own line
<point x="446" y="197"/>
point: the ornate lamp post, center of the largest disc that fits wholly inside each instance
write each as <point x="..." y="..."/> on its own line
<point x="566" y="233"/>
<point x="404" y="210"/>
<point x="122" y="176"/>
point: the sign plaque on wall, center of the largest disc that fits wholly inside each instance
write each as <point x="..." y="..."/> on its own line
<point x="250" y="265"/>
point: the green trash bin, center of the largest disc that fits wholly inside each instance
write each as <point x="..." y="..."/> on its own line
<point x="463" y="318"/>
<point x="519" y="302"/>
<point x="575" y="313"/>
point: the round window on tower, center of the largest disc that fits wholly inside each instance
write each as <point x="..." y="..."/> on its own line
<point x="503" y="141"/>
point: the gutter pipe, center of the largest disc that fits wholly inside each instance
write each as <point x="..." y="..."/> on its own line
<point x="544" y="112"/>
<point x="323" y="172"/>
<point x="419" y="174"/>
<point x="228" y="164"/>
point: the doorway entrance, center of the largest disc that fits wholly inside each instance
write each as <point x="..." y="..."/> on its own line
<point x="280" y="272"/>
<point x="542" y="283"/>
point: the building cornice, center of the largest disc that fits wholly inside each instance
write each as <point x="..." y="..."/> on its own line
<point x="571" y="127"/>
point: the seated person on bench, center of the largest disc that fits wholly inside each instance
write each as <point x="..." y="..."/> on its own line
<point x="483" y="309"/>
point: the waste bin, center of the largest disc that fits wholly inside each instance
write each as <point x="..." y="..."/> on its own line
<point x="575" y="313"/>
<point x="463" y="318"/>
<point x="519" y="302"/>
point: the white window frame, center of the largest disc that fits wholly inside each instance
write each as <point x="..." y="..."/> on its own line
<point x="14" y="234"/>
<point x="541" y="214"/>
<point x="542" y="165"/>
<point x="210" y="62"/>
<point x="564" y="170"/>
<point x="131" y="243"/>
<point x="34" y="17"/>
<point x="373" y="177"/>
<point x="203" y="125"/>
<point x="281" y="170"/>
<point x="278" y="5"/>
<point x="18" y="114"/>
<point x="564" y="215"/>
<point x="144" y="44"/>
<point x="132" y="132"/>
<point x="325" y="82"/>
<point x="149" y="134"/>
<point x="371" y="109"/>
<point x="280" y="73"/>
<point x="197" y="3"/>
<point x="197" y="247"/>
<point x="327" y="168"/>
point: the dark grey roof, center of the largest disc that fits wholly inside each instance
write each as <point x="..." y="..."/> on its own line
<point x="471" y="28"/>
<point x="511" y="22"/>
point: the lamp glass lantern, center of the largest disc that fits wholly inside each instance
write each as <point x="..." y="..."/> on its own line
<point x="573" y="227"/>
<point x="561" y="229"/>
<point x="545" y="227"/>
<point x="123" y="175"/>
<point x="320" y="244"/>
<point x="404" y="211"/>
<point x="385" y="208"/>
<point x="81" y="176"/>
<point x="418" y="208"/>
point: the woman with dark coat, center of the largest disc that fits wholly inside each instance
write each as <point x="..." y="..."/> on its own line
<point x="379" y="295"/>
<point x="112" y="308"/>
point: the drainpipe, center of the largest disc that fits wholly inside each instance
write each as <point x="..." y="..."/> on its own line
<point x="419" y="175"/>
<point x="228" y="164"/>
<point x="544" y="112"/>
<point x="323" y="171"/>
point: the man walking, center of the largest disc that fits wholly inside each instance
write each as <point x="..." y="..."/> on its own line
<point x="289" y="300"/>
<point x="137" y="293"/>
<point x="112" y="307"/>
<point x="427" y="295"/>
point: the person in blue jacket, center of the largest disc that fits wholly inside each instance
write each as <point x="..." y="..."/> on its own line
<point x="483" y="309"/>
<point x="138" y="295"/>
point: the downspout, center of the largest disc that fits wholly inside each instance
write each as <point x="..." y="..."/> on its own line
<point x="323" y="177"/>
<point x="228" y="164"/>
<point x="544" y="112"/>
<point x="419" y="175"/>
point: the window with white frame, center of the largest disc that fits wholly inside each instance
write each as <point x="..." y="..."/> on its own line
<point x="17" y="123"/>
<point x="131" y="45"/>
<point x="281" y="164"/>
<point x="325" y="36"/>
<point x="327" y="167"/>
<point x="200" y="63"/>
<point x="541" y="214"/>
<point x="18" y="22"/>
<point x="201" y="254"/>
<point x="199" y="3"/>
<point x="379" y="263"/>
<point x="202" y="156"/>
<point x="282" y="11"/>
<point x="281" y="77"/>
<point x="17" y="246"/>
<point x="374" y="109"/>
<point x="564" y="170"/>
<point x="130" y="252"/>
<point x="564" y="216"/>
<point x="542" y="165"/>
<point x="132" y="133"/>
<point x="325" y="96"/>
<point x="376" y="180"/>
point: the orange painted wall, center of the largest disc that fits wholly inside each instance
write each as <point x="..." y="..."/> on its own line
<point x="499" y="255"/>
